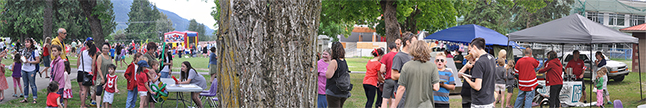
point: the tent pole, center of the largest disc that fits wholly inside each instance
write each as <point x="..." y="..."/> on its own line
<point x="591" y="75"/>
<point x="640" y="72"/>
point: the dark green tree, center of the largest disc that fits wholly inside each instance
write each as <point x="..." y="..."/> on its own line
<point x="142" y="21"/>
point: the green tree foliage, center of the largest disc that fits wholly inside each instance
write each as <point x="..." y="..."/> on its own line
<point x="164" y="24"/>
<point x="505" y="16"/>
<point x="199" y="28"/>
<point x="339" y="16"/>
<point x="554" y="9"/>
<point x="142" y="21"/>
<point x="25" y="18"/>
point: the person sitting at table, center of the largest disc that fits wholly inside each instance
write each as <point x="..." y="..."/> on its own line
<point x="190" y="76"/>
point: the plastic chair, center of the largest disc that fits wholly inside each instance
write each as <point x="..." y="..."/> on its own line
<point x="618" y="104"/>
<point x="211" y="95"/>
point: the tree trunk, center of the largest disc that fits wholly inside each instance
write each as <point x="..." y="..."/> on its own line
<point x="47" y="19"/>
<point x="267" y="53"/>
<point x="93" y="19"/>
<point x="390" y="18"/>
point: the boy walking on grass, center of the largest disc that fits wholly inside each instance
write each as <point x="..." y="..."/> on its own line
<point x="110" y="86"/>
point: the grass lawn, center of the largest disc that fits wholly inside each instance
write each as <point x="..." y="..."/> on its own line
<point x="627" y="91"/>
<point x="119" y="98"/>
<point x="357" y="64"/>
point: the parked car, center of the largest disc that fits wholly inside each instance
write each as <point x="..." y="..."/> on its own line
<point x="617" y="70"/>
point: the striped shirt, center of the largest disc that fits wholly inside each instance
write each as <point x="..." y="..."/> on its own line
<point x="525" y="68"/>
<point x="442" y="96"/>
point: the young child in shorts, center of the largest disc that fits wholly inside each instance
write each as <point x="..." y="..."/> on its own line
<point x="110" y="86"/>
<point x="142" y="83"/>
<point x="154" y="80"/>
<point x="53" y="99"/>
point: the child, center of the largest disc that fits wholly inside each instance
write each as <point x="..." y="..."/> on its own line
<point x="53" y="99"/>
<point x="132" y="83"/>
<point x="16" y="68"/>
<point x="447" y="82"/>
<point x="58" y="70"/>
<point x="3" y="80"/>
<point x="110" y="86"/>
<point x="600" y="73"/>
<point x="142" y="83"/>
<point x="154" y="80"/>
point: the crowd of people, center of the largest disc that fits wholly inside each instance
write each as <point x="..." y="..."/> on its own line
<point x="408" y="76"/>
<point x="96" y="66"/>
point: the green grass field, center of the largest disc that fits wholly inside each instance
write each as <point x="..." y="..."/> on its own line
<point x="357" y="64"/>
<point x="119" y="98"/>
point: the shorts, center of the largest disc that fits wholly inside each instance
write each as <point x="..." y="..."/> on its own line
<point x="47" y="61"/>
<point x="99" y="89"/>
<point x="150" y="98"/>
<point x="500" y="87"/>
<point x="491" y="105"/>
<point x="212" y="69"/>
<point x="605" y="93"/>
<point x="117" y="58"/>
<point x="510" y="89"/>
<point x="142" y="93"/>
<point x="108" y="97"/>
<point x="67" y="94"/>
<point x="390" y="86"/>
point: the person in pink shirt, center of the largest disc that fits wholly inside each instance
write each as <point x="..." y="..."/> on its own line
<point x="322" y="68"/>
<point x="58" y="70"/>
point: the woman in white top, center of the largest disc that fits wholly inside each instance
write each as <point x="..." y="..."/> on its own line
<point x="86" y="59"/>
<point x="31" y="58"/>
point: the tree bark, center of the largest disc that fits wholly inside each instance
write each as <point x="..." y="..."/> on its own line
<point x="93" y="19"/>
<point x="267" y="53"/>
<point x="47" y="19"/>
<point x="390" y="18"/>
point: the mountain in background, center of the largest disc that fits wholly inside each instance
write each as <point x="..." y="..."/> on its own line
<point x="122" y="7"/>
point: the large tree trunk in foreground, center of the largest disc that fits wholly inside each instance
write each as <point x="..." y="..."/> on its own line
<point x="390" y="18"/>
<point x="266" y="52"/>
<point x="93" y="19"/>
<point x="47" y="19"/>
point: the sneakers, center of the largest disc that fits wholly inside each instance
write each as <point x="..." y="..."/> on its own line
<point x="15" y="95"/>
<point x="609" y="103"/>
<point x="93" y="104"/>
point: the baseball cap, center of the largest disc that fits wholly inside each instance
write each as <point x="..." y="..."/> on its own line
<point x="143" y="63"/>
<point x="89" y="39"/>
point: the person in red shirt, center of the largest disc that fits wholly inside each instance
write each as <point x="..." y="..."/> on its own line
<point x="525" y="69"/>
<point x="46" y="58"/>
<point x="577" y="66"/>
<point x="371" y="80"/>
<point x="110" y="86"/>
<point x="554" y="70"/>
<point x="53" y="99"/>
<point x="142" y="83"/>
<point x="387" y="60"/>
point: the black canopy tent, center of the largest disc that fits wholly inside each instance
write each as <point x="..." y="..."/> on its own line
<point x="573" y="29"/>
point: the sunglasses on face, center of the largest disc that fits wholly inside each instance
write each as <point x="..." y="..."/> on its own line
<point x="439" y="60"/>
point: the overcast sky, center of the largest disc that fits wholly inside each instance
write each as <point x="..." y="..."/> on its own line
<point x="189" y="9"/>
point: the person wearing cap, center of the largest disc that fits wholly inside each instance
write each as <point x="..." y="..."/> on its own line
<point x="142" y="83"/>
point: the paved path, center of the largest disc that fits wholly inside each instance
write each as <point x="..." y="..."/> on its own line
<point x="42" y="83"/>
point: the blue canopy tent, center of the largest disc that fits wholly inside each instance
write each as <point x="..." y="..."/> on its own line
<point x="466" y="33"/>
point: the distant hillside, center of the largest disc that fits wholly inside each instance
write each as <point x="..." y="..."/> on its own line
<point x="122" y="7"/>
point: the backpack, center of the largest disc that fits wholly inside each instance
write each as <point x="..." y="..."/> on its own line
<point x="343" y="79"/>
<point x="33" y="55"/>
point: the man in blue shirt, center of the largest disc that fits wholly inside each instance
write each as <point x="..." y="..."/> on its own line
<point x="447" y="82"/>
<point x="213" y="62"/>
